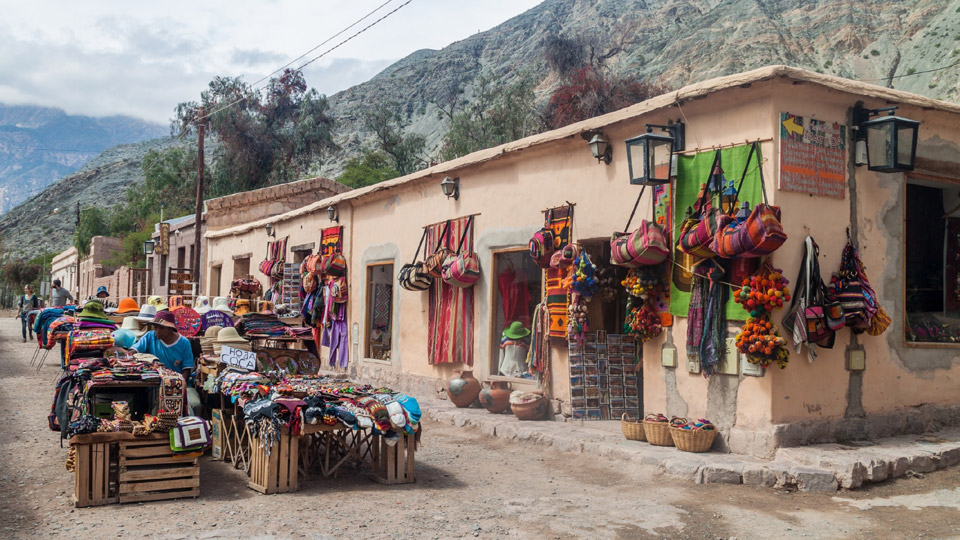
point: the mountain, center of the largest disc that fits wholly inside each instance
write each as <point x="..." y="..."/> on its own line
<point x="673" y="43"/>
<point x="33" y="228"/>
<point x="38" y="145"/>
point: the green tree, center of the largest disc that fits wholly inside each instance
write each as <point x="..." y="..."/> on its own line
<point x="93" y="222"/>
<point x="497" y="114"/>
<point x="19" y="273"/>
<point x="407" y="151"/>
<point x="371" y="168"/>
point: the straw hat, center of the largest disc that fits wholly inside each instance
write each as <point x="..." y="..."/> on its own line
<point x="132" y="324"/>
<point x="127" y="306"/>
<point x="147" y="313"/>
<point x="206" y="341"/>
<point x="202" y="305"/>
<point x="222" y="304"/>
<point x="157" y="302"/>
<point x="230" y="337"/>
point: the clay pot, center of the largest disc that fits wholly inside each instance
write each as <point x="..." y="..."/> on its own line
<point x="495" y="396"/>
<point x="463" y="388"/>
<point x="531" y="410"/>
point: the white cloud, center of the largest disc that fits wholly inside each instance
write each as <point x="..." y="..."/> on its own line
<point x="100" y="57"/>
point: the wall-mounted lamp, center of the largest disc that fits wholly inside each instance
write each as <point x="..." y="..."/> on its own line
<point x="332" y="214"/>
<point x="650" y="156"/>
<point x="270" y="231"/>
<point x="889" y="142"/>
<point x="451" y="187"/>
<point x="600" y="148"/>
<point x="148" y="247"/>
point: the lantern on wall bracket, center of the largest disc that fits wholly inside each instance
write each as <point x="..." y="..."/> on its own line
<point x="332" y="214"/>
<point x="651" y="156"/>
<point x="451" y="187"/>
<point x="889" y="142"/>
<point x="148" y="247"/>
<point x="269" y="228"/>
<point x="599" y="147"/>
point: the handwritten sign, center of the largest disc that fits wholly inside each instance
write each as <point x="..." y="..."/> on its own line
<point x="813" y="156"/>
<point x="236" y="357"/>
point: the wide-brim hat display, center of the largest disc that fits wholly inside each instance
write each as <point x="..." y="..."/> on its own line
<point x="202" y="305"/>
<point x="175" y="303"/>
<point x="267" y="308"/>
<point x="133" y="324"/>
<point x="229" y="335"/>
<point x="164" y="318"/>
<point x="516" y="330"/>
<point x="220" y="303"/>
<point x="92" y="309"/>
<point x="188" y="321"/>
<point x="123" y="338"/>
<point x="242" y="307"/>
<point x="209" y="336"/>
<point x="147" y="313"/>
<point x="127" y="306"/>
<point x="157" y="302"/>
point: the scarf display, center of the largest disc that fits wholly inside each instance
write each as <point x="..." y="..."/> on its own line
<point x="560" y="221"/>
<point x="713" y="343"/>
<point x="538" y="358"/>
<point x="696" y="317"/>
<point x="450" y="316"/>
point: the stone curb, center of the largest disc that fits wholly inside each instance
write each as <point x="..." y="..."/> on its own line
<point x="814" y="468"/>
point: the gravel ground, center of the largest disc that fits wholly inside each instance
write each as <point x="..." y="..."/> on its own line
<point x="468" y="485"/>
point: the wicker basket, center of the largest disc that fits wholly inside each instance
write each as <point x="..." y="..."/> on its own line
<point x="658" y="433"/>
<point x="693" y="440"/>
<point x="632" y="430"/>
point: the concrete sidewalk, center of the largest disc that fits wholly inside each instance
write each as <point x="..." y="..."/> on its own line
<point x="820" y="467"/>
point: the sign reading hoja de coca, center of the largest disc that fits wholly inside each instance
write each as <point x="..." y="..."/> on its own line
<point x="813" y="156"/>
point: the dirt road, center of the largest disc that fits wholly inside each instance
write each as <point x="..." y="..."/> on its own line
<point x="468" y="486"/>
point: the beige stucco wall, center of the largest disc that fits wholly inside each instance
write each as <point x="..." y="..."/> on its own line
<point x="509" y="191"/>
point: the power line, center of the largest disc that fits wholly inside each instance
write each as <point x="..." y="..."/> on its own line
<point x="913" y="73"/>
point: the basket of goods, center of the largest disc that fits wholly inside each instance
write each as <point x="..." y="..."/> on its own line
<point x="632" y="429"/>
<point x="529" y="405"/>
<point x="656" y="427"/>
<point x="693" y="436"/>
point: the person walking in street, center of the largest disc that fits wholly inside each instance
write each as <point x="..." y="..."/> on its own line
<point x="59" y="296"/>
<point x="28" y="303"/>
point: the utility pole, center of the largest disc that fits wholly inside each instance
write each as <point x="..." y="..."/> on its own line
<point x="77" y="299"/>
<point x="201" y="121"/>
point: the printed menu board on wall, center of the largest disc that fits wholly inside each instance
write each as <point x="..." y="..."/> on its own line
<point x="813" y="156"/>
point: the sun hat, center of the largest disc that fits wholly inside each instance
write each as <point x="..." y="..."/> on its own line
<point x="222" y="304"/>
<point x="123" y="338"/>
<point x="188" y="321"/>
<point x="516" y="330"/>
<point x="92" y="309"/>
<point x="133" y="325"/>
<point x="209" y="336"/>
<point x="267" y="307"/>
<point x="215" y="318"/>
<point x="175" y="302"/>
<point x="147" y="313"/>
<point x="229" y="337"/>
<point x="102" y="289"/>
<point x="202" y="304"/>
<point x="127" y="306"/>
<point x="164" y="318"/>
<point x="157" y="302"/>
<point x="242" y="307"/>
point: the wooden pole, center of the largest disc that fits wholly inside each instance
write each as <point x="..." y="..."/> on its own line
<point x="197" y="218"/>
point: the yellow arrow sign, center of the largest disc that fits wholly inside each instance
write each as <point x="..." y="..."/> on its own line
<point x="791" y="125"/>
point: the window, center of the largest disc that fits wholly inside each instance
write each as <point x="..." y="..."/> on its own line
<point x="379" y="323"/>
<point x="241" y="268"/>
<point x="181" y="257"/>
<point x="300" y="254"/>
<point x="932" y="288"/>
<point x="215" y="272"/>
<point x="190" y="262"/>
<point x="516" y="292"/>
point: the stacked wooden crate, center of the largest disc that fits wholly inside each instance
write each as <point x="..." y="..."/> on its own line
<point x="150" y="471"/>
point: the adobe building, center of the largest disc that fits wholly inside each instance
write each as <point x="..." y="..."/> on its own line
<point x="905" y="380"/>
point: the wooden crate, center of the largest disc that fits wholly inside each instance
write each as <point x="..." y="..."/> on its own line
<point x="278" y="472"/>
<point x="393" y="464"/>
<point x="92" y="477"/>
<point x="150" y="471"/>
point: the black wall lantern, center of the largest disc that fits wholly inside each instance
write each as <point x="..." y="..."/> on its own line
<point x="332" y="214"/>
<point x="270" y="231"/>
<point x="891" y="141"/>
<point x="600" y="148"/>
<point x="451" y="187"/>
<point x="650" y="156"/>
<point x="148" y="247"/>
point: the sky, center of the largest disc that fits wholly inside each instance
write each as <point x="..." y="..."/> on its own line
<point x="140" y="59"/>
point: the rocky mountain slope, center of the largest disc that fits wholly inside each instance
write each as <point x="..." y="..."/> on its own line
<point x="38" y="145"/>
<point x="33" y="228"/>
<point x="675" y="42"/>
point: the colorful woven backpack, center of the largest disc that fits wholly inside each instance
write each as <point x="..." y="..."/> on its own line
<point x="543" y="244"/>
<point x="462" y="269"/>
<point x="334" y="264"/>
<point x="433" y="265"/>
<point x="413" y="276"/>
<point x="645" y="246"/>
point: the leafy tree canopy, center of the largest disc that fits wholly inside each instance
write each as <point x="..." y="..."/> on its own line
<point x="406" y="151"/>
<point x="371" y="168"/>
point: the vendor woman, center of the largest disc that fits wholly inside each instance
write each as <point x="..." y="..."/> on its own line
<point x="170" y="348"/>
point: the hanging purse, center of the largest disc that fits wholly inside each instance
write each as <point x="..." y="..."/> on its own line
<point x="462" y="269"/>
<point x="433" y="265"/>
<point x="334" y="264"/>
<point x="700" y="227"/>
<point x="413" y="276"/>
<point x="645" y="246"/>
<point x="542" y="245"/>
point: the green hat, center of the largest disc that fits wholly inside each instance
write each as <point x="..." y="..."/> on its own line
<point x="516" y="330"/>
<point x="92" y="309"/>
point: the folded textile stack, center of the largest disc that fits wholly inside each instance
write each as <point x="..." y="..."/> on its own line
<point x="299" y="331"/>
<point x="260" y="324"/>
